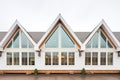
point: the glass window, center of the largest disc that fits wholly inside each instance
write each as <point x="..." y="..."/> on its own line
<point x="30" y="45"/>
<point x="47" y="58"/>
<point x="16" y="58"/>
<point x="88" y="44"/>
<point x="71" y="58"/>
<point x="110" y="58"/>
<point x="109" y="45"/>
<point x="55" y="58"/>
<point x="23" y="40"/>
<point x="94" y="58"/>
<point x="103" y="58"/>
<point x="87" y="58"/>
<point x="53" y="40"/>
<point x="64" y="58"/>
<point x="16" y="40"/>
<point x="66" y="41"/>
<point x="10" y="45"/>
<point x="24" y="58"/>
<point x="95" y="40"/>
<point x="9" y="58"/>
<point x="31" y="58"/>
<point x="103" y="40"/>
<point x="25" y="43"/>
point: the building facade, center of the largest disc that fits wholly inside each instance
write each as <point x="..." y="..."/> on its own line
<point x="60" y="50"/>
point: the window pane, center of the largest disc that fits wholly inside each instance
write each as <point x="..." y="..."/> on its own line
<point x="109" y="45"/>
<point x="64" y="58"/>
<point x="71" y="58"/>
<point x="24" y="58"/>
<point x="66" y="41"/>
<point x="16" y="41"/>
<point x="110" y="58"/>
<point x="9" y="58"/>
<point x="95" y="40"/>
<point x="16" y="58"/>
<point x="94" y="58"/>
<point x="47" y="58"/>
<point x="23" y="40"/>
<point x="89" y="44"/>
<point x="31" y="58"/>
<point x="30" y="45"/>
<point x="103" y="58"/>
<point x="55" y="58"/>
<point x="87" y="58"/>
<point x="102" y="40"/>
<point x="53" y="40"/>
<point x="10" y="45"/>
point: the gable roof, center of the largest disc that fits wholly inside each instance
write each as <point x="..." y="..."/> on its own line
<point x="59" y="18"/>
<point x="107" y="30"/>
<point x="82" y="36"/>
<point x="36" y="36"/>
<point x="11" y="32"/>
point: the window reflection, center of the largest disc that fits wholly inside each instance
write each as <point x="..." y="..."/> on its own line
<point x="55" y="58"/>
<point x="94" y="58"/>
<point x="64" y="58"/>
<point x="103" y="58"/>
<point x="9" y="58"/>
<point x="16" y="58"/>
<point x="31" y="58"/>
<point x="24" y="58"/>
<point x="87" y="58"/>
<point x="16" y="40"/>
<point x="66" y="41"/>
<point x="71" y="58"/>
<point x="47" y="58"/>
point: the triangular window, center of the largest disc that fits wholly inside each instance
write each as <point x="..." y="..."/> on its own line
<point x="16" y="41"/>
<point x="59" y="39"/>
<point x="53" y="40"/>
<point x="104" y="41"/>
<point x="109" y="45"/>
<point x="93" y="43"/>
<point x="99" y="39"/>
<point x="20" y="39"/>
<point x="66" y="41"/>
<point x="25" y="43"/>
<point x="10" y="45"/>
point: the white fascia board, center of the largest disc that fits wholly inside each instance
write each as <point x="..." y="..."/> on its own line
<point x="67" y="26"/>
<point x="116" y="42"/>
<point x="92" y="33"/>
<point x="8" y="34"/>
<point x="112" y="35"/>
<point x="11" y="31"/>
<point x="49" y="29"/>
<point x="25" y="32"/>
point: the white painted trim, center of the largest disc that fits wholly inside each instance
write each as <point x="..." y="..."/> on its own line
<point x="66" y="25"/>
<point x="108" y="31"/>
<point x="11" y="30"/>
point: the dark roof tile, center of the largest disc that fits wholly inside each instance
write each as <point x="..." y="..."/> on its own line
<point x="82" y="36"/>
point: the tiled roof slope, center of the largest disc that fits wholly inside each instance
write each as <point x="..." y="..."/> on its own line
<point x="36" y="36"/>
<point x="2" y="34"/>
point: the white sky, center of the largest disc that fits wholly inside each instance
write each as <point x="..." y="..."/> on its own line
<point x="38" y="15"/>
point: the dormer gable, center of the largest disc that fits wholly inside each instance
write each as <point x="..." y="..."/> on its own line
<point x="105" y="35"/>
<point x="15" y="33"/>
<point x="60" y="25"/>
